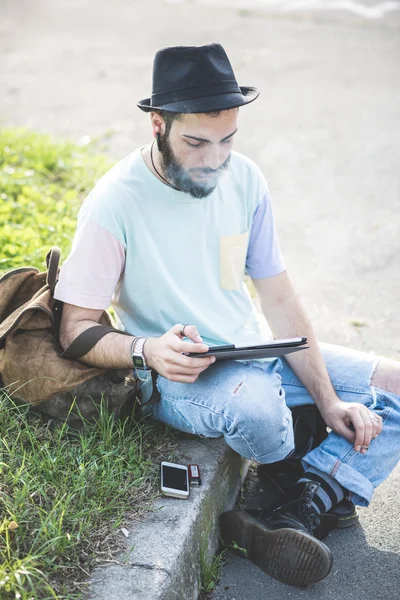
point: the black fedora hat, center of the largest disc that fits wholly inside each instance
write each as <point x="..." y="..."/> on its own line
<point x="195" y="79"/>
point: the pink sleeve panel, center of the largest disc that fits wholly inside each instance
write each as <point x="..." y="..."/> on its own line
<point x="92" y="270"/>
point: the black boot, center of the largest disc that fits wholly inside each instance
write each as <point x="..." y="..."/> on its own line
<point x="281" y="541"/>
<point x="283" y="476"/>
<point x="341" y="516"/>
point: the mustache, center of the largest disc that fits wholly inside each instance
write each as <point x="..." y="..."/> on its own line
<point x="209" y="171"/>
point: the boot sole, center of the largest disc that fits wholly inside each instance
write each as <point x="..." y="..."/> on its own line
<point x="288" y="555"/>
<point x="348" y="520"/>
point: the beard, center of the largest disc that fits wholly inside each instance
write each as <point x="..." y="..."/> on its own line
<point x="181" y="178"/>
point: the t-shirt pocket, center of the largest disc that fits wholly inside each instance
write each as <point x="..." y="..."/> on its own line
<point x="232" y="256"/>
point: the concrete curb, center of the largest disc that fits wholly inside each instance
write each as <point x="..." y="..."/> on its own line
<point x="164" y="552"/>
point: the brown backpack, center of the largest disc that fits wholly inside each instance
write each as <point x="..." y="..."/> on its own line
<point x="33" y="367"/>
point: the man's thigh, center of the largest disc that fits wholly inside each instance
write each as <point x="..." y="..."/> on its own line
<point x="257" y="393"/>
<point x="349" y="370"/>
<point x="226" y="393"/>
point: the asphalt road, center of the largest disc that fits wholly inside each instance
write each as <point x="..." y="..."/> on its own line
<point x="366" y="9"/>
<point x="366" y="561"/>
<point x="325" y="132"/>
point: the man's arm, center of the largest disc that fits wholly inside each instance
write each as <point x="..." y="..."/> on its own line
<point x="287" y="318"/>
<point x="113" y="351"/>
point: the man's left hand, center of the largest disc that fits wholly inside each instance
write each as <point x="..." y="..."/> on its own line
<point x="355" y="422"/>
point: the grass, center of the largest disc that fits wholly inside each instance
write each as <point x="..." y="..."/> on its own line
<point x="210" y="567"/>
<point x="42" y="184"/>
<point x="63" y="495"/>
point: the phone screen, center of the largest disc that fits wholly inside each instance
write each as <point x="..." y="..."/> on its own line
<point x="175" y="478"/>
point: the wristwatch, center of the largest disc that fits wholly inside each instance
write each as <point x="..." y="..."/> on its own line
<point x="138" y="358"/>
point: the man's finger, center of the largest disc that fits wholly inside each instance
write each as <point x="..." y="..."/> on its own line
<point x="380" y="423"/>
<point x="187" y="330"/>
<point x="368" y="431"/>
<point x="182" y="378"/>
<point x="181" y="370"/>
<point x="192" y="333"/>
<point x="192" y="362"/>
<point x="186" y="347"/>
<point x="358" y="424"/>
<point x="188" y="363"/>
<point x="345" y="432"/>
<point x="376" y="421"/>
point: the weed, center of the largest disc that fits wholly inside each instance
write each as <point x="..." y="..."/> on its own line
<point x="358" y="323"/>
<point x="235" y="546"/>
<point x="210" y="567"/>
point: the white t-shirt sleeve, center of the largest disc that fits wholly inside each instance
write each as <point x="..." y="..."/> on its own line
<point x="92" y="270"/>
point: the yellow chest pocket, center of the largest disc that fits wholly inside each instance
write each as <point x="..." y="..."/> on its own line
<point x="232" y="260"/>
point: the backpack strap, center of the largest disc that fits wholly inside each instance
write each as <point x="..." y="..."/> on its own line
<point x="52" y="262"/>
<point x="87" y="339"/>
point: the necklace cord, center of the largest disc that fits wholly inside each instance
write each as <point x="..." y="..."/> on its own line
<point x="159" y="174"/>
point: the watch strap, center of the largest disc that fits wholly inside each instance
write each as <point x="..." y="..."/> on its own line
<point x="138" y="358"/>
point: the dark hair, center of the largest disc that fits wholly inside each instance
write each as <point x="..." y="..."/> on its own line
<point x="169" y="117"/>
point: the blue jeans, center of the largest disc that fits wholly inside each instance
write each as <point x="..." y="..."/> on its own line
<point x="248" y="403"/>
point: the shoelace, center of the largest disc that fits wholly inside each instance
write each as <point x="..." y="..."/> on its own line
<point x="306" y="510"/>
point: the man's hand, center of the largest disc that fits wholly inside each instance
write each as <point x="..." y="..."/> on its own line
<point x="166" y="355"/>
<point x="353" y="421"/>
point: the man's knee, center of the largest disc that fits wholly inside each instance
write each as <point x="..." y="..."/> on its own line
<point x="267" y="429"/>
<point x="281" y="448"/>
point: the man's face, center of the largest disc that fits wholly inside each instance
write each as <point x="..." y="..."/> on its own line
<point x="197" y="151"/>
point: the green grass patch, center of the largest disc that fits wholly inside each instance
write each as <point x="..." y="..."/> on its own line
<point x="64" y="496"/>
<point x="42" y="184"/>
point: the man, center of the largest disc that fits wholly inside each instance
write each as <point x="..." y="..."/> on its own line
<point x="166" y="237"/>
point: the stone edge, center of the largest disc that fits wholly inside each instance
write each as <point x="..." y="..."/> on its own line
<point x="166" y="549"/>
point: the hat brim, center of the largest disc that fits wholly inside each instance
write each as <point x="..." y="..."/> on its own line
<point x="206" y="104"/>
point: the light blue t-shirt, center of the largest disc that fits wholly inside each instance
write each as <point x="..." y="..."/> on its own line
<point x="184" y="259"/>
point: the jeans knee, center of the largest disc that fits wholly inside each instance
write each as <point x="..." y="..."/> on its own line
<point x="263" y="438"/>
<point x="280" y="451"/>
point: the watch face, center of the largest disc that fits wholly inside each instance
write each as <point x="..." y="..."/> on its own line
<point x="138" y="362"/>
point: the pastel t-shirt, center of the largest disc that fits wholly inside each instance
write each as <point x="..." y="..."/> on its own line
<point x="160" y="257"/>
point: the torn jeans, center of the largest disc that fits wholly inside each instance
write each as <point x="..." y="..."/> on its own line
<point x="248" y="404"/>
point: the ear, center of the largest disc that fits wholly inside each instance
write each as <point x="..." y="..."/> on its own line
<point x="157" y="124"/>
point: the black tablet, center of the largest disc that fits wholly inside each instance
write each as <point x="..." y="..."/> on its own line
<point x="268" y="349"/>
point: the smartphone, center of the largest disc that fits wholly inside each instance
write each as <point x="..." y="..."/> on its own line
<point x="174" y="480"/>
